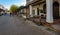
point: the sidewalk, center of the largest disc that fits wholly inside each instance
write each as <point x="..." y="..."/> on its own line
<point x="55" y="27"/>
<point x="43" y="28"/>
<point x="56" y="24"/>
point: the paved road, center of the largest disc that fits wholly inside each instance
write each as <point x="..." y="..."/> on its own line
<point x="17" y="26"/>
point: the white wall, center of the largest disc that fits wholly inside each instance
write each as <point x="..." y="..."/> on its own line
<point x="41" y="8"/>
<point x="38" y="6"/>
<point x="35" y="10"/>
<point x="24" y="10"/>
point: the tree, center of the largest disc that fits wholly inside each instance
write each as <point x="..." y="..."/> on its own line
<point x="13" y="8"/>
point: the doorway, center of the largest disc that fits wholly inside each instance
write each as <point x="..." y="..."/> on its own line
<point x="55" y="10"/>
<point x="38" y="11"/>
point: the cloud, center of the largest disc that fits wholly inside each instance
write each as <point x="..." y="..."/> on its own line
<point x="19" y="4"/>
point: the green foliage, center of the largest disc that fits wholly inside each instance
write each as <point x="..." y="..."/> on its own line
<point x="13" y="8"/>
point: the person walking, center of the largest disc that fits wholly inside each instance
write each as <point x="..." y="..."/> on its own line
<point x="10" y="13"/>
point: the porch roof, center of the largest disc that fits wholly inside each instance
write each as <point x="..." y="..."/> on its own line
<point x="36" y="2"/>
<point x="22" y="7"/>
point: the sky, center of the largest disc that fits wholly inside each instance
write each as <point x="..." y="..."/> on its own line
<point x="8" y="3"/>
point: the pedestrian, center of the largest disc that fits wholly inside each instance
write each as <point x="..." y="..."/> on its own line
<point x="10" y="13"/>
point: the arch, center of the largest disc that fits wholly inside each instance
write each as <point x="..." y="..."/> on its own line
<point x="56" y="10"/>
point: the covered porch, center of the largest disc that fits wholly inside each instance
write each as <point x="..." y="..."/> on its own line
<point x="50" y="15"/>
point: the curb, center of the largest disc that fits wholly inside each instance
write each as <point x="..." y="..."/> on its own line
<point x="53" y="29"/>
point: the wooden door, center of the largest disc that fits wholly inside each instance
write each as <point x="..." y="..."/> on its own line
<point x="56" y="10"/>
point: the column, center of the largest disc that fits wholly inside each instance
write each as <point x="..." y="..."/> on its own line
<point x="36" y="11"/>
<point x="30" y="11"/>
<point x="49" y="5"/>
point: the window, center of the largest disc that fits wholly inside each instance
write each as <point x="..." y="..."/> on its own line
<point x="37" y="11"/>
<point x="33" y="12"/>
<point x="41" y="11"/>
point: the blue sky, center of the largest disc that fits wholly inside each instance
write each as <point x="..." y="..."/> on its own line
<point x="8" y="3"/>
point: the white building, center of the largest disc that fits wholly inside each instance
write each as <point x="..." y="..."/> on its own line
<point x="51" y="7"/>
<point x="2" y="9"/>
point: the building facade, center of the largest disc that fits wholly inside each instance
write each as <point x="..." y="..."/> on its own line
<point x="49" y="9"/>
<point x="23" y="11"/>
<point x="2" y="9"/>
